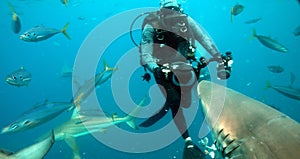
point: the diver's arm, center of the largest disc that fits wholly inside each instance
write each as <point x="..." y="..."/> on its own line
<point x="203" y="38"/>
<point x="147" y="48"/>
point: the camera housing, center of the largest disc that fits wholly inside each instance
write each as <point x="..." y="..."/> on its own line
<point x="224" y="66"/>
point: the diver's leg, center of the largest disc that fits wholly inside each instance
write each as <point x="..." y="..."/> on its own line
<point x="191" y="151"/>
<point x="168" y="91"/>
<point x="154" y="118"/>
<point x="179" y="121"/>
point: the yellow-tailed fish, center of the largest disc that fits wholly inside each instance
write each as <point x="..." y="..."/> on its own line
<point x="270" y="43"/>
<point x="16" y="22"/>
<point x="37" y="115"/>
<point x="65" y="2"/>
<point x="20" y="77"/>
<point x="236" y="10"/>
<point x="40" y="33"/>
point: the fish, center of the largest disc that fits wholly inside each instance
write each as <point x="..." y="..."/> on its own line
<point x="87" y="87"/>
<point x="270" y="43"/>
<point x="37" y="115"/>
<point x="244" y="128"/>
<point x="275" y="68"/>
<point x="66" y="72"/>
<point x="297" y="31"/>
<point x="40" y="33"/>
<point x="251" y="21"/>
<point x="287" y="91"/>
<point x="146" y="77"/>
<point x="65" y="2"/>
<point x="236" y="10"/>
<point x="35" y="151"/>
<point x="16" y="22"/>
<point x="20" y="77"/>
<point x="91" y="121"/>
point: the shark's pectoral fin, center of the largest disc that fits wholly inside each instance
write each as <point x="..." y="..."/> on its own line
<point x="73" y="145"/>
<point x="37" y="150"/>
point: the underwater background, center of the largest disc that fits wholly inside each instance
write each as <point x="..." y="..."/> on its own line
<point x="46" y="59"/>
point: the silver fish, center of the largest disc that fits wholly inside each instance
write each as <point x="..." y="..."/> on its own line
<point x="35" y="151"/>
<point x="40" y="33"/>
<point x="37" y="115"/>
<point x="251" y="21"/>
<point x="297" y="31"/>
<point x="275" y="68"/>
<point x="91" y="121"/>
<point x="16" y="22"/>
<point x="20" y="77"/>
<point x="287" y="91"/>
<point x="245" y="128"/>
<point x="270" y="43"/>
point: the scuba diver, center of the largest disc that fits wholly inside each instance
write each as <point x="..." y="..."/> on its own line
<point x="168" y="50"/>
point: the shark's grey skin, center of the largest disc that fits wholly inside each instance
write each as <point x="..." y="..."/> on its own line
<point x="91" y="121"/>
<point x="246" y="128"/>
<point x="35" y="151"/>
<point x="87" y="87"/>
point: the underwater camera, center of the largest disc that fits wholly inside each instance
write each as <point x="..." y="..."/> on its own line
<point x="224" y="66"/>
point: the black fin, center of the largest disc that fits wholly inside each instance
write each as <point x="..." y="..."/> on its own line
<point x="146" y="77"/>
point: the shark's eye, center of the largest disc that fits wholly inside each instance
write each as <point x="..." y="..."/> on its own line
<point x="14" y="77"/>
<point x="21" y="77"/>
<point x="13" y="126"/>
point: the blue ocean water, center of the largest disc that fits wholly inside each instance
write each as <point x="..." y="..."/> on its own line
<point x="46" y="59"/>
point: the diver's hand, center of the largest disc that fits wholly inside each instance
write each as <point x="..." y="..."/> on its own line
<point x="158" y="73"/>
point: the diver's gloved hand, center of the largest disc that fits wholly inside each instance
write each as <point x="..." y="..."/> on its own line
<point x="158" y="73"/>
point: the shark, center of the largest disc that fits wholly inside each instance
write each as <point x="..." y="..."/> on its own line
<point x="244" y="128"/>
<point x="35" y="151"/>
<point x="85" y="122"/>
<point x="88" y="86"/>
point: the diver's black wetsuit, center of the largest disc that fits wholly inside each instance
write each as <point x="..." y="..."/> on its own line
<point x="173" y="100"/>
<point x="163" y="44"/>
